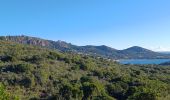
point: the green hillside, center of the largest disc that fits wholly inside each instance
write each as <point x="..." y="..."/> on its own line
<point x="97" y="51"/>
<point x="34" y="73"/>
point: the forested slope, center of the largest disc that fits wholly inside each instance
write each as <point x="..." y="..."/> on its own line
<point x="34" y="73"/>
<point x="134" y="52"/>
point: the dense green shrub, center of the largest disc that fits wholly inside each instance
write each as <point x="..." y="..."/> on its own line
<point x="35" y="73"/>
<point x="18" y="68"/>
<point x="143" y="96"/>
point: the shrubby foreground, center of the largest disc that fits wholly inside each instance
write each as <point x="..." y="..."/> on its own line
<point x="34" y="73"/>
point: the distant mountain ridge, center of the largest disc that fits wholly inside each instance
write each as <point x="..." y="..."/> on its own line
<point x="101" y="51"/>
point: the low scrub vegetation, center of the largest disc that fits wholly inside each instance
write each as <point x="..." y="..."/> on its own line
<point x="33" y="73"/>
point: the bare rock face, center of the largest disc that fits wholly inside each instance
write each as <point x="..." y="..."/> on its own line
<point x="27" y="40"/>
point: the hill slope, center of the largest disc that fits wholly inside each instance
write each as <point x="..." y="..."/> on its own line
<point x="34" y="73"/>
<point x="103" y="51"/>
<point x="140" y="53"/>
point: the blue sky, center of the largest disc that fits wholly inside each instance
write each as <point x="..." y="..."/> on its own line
<point x="116" y="23"/>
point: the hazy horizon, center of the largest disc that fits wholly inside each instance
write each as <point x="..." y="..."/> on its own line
<point x="117" y="24"/>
